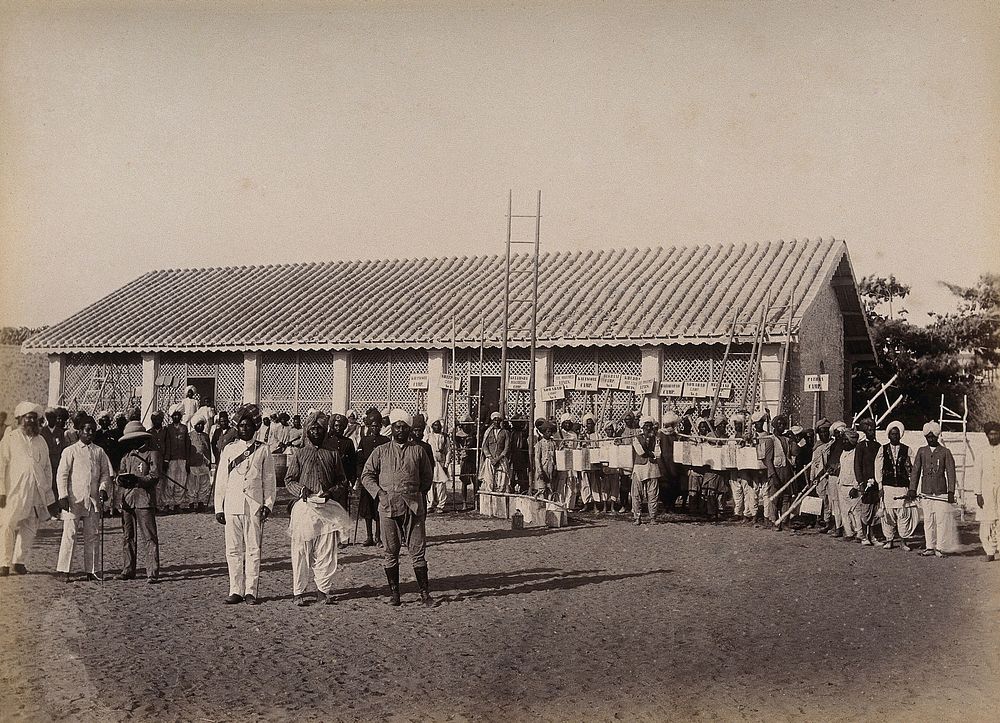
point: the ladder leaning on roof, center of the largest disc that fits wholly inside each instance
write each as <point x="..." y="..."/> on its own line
<point x="882" y="395"/>
<point x="962" y="455"/>
<point x="532" y="328"/>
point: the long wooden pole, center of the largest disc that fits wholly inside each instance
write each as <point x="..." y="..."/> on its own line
<point x="722" y="371"/>
<point x="506" y="311"/>
<point x="532" y="383"/>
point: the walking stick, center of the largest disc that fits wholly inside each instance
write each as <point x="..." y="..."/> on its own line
<point x="102" y="542"/>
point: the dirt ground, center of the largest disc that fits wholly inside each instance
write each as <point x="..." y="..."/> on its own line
<point x="597" y="621"/>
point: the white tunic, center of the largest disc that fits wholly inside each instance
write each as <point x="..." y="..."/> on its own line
<point x="251" y="482"/>
<point x="25" y="477"/>
<point x="987" y="484"/>
<point x="84" y="470"/>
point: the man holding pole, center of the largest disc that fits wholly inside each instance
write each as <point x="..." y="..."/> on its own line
<point x="933" y="477"/>
<point x="245" y="489"/>
<point x="893" y="465"/>
<point x="987" y="489"/>
<point x="83" y="478"/>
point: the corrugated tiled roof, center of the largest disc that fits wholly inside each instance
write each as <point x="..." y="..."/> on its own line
<point x="682" y="294"/>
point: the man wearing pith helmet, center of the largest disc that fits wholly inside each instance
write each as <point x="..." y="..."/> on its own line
<point x="398" y="474"/>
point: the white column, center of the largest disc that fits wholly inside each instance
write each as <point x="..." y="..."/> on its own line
<point x="543" y="377"/>
<point x="251" y="377"/>
<point x="150" y="371"/>
<point x="435" y="394"/>
<point x="651" y="368"/>
<point x="57" y="363"/>
<point x="341" y="381"/>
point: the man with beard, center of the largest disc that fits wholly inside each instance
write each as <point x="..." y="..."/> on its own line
<point x="26" y="495"/>
<point x="646" y="471"/>
<point x="337" y="441"/>
<point x="398" y="474"/>
<point x="245" y="489"/>
<point x="630" y="429"/>
<point x="315" y="476"/>
<point x="494" y="469"/>
<point x="933" y="477"/>
<point x="670" y="471"/>
<point x="54" y="434"/>
<point x="818" y="465"/>
<point x="222" y="435"/>
<point x="371" y="439"/>
<point x="176" y="464"/>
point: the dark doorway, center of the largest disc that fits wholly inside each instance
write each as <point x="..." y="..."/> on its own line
<point x="491" y="397"/>
<point x="206" y="390"/>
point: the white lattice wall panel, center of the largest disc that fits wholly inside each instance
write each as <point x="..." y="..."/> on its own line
<point x="609" y="406"/>
<point x="468" y="367"/>
<point x="316" y="382"/>
<point x="704" y="364"/>
<point x="295" y="382"/>
<point x="277" y="381"/>
<point x="171" y="366"/>
<point x="229" y="382"/>
<point x="369" y="380"/>
<point x="83" y="390"/>
<point x="401" y="365"/>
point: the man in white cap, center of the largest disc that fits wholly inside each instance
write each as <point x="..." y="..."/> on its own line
<point x="494" y="469"/>
<point x="25" y="488"/>
<point x="933" y="478"/>
<point x="837" y="430"/>
<point x="818" y="467"/>
<point x="771" y="454"/>
<point x="590" y="479"/>
<point x="893" y="465"/>
<point x="244" y="497"/>
<point x="83" y="479"/>
<point x="850" y="487"/>
<point x="646" y="455"/>
<point x="398" y="474"/>
<point x="670" y="471"/>
<point x="987" y="490"/>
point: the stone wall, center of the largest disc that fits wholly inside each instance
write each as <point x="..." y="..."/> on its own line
<point x="820" y="347"/>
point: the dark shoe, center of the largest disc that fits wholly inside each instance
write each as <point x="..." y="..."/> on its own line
<point x="990" y="558"/>
<point x="4" y="571"/>
<point x="251" y="600"/>
<point x="328" y="598"/>
<point x="152" y="580"/>
<point x="125" y="576"/>
<point x="424" y="585"/>
<point x="93" y="577"/>
<point x="233" y="599"/>
<point x="65" y="576"/>
<point x="368" y="543"/>
<point x="392" y="576"/>
<point x="839" y="532"/>
<point x="300" y="601"/>
<point x="201" y="507"/>
<point x="20" y="569"/>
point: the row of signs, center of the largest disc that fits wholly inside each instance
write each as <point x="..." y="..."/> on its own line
<point x="562" y="383"/>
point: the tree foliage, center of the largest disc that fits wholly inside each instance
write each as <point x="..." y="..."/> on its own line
<point x="16" y="335"/>
<point x="953" y="355"/>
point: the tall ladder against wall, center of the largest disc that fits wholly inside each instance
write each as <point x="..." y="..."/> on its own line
<point x="880" y="397"/>
<point x="530" y="300"/>
<point x="962" y="452"/>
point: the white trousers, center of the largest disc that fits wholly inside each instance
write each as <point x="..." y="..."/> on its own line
<point x="940" y="530"/>
<point x="850" y="509"/>
<point x="438" y="495"/>
<point x="16" y="541"/>
<point x="91" y="536"/>
<point x="744" y="496"/>
<point x="989" y="535"/>
<point x="319" y="555"/>
<point x="243" y="538"/>
<point x="199" y="486"/>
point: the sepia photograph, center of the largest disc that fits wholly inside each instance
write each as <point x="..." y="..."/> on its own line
<point x="424" y="360"/>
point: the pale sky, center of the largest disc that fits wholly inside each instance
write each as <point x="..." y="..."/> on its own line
<point x="178" y="134"/>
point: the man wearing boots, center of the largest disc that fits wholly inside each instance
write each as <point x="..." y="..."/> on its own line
<point x="398" y="474"/>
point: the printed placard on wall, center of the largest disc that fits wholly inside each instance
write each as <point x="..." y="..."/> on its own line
<point x="553" y="393"/>
<point x="418" y="381"/>
<point x="724" y="393"/>
<point x="629" y="383"/>
<point x="518" y="382"/>
<point x="450" y="381"/>
<point x="567" y="381"/>
<point x="695" y="389"/>
<point x="607" y="380"/>
<point x="817" y="383"/>
<point x="586" y="382"/>
<point x="672" y="389"/>
<point x="646" y="387"/>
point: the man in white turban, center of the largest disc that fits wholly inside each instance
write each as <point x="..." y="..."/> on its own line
<point x="893" y="465"/>
<point x="933" y="477"/>
<point x="26" y="494"/>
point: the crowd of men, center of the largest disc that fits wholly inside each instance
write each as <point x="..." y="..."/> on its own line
<point x="79" y="470"/>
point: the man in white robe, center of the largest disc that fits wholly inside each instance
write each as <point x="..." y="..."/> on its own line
<point x="83" y="479"/>
<point x="26" y="494"/>
<point x="438" y="496"/>
<point x="987" y="489"/>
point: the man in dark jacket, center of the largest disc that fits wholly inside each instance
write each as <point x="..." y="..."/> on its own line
<point x="139" y="472"/>
<point x="864" y="471"/>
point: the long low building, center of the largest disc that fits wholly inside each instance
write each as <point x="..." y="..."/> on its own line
<point x="353" y="334"/>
